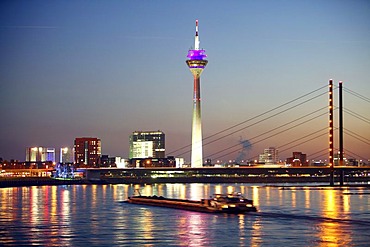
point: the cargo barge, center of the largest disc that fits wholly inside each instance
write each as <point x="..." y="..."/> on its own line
<point x="219" y="203"/>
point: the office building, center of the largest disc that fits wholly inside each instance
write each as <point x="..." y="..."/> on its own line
<point x="269" y="156"/>
<point x="87" y="151"/>
<point x="147" y="144"/>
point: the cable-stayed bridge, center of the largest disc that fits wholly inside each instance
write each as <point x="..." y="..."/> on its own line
<point x="300" y="124"/>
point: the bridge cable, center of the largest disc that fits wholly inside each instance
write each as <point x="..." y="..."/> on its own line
<point x="318" y="152"/>
<point x="356" y="94"/>
<point x="313" y="138"/>
<point x="268" y="137"/>
<point x="354" y="155"/>
<point x="303" y="142"/>
<point x="356" y="115"/>
<point x="260" y="115"/>
<point x="357" y="137"/>
<point x="285" y="110"/>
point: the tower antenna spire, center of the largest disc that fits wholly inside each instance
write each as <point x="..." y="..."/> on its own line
<point x="196" y="41"/>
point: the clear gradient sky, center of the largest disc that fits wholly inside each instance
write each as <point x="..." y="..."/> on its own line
<point x="107" y="68"/>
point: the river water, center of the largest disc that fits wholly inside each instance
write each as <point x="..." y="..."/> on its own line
<point x="95" y="215"/>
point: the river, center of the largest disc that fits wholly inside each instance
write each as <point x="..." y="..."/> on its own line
<point x="95" y="215"/>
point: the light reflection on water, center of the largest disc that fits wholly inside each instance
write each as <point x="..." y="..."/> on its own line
<point x="334" y="208"/>
<point x="95" y="215"/>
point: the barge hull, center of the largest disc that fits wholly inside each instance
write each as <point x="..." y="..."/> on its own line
<point x="199" y="206"/>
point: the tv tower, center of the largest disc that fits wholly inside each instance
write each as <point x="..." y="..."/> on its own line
<point x="196" y="64"/>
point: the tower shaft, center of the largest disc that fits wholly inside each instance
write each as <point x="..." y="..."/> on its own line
<point x="196" y="68"/>
<point x="196" y="137"/>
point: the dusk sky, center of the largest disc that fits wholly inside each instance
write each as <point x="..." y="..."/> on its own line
<point x="107" y="68"/>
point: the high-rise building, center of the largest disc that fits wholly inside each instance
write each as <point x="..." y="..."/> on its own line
<point x="40" y="154"/>
<point x="66" y="155"/>
<point x="34" y="154"/>
<point x="87" y="151"/>
<point x="269" y="156"/>
<point x="196" y="64"/>
<point x="147" y="144"/>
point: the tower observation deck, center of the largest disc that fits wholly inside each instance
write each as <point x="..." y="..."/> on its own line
<point x="196" y="63"/>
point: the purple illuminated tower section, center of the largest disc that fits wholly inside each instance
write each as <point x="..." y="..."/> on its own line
<point x="196" y="63"/>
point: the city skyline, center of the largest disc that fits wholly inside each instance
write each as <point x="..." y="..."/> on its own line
<point x="74" y="69"/>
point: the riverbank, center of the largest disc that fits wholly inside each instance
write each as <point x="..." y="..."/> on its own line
<point x="40" y="181"/>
